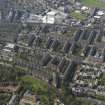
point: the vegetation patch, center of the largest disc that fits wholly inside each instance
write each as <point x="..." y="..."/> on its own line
<point x="39" y="87"/>
<point x="94" y="3"/>
<point x="102" y="80"/>
<point x="4" y="98"/>
<point x="78" y="15"/>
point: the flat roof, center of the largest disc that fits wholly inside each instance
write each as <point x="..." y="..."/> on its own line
<point x="10" y="45"/>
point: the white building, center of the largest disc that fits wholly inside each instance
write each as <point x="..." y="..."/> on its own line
<point x="7" y="52"/>
<point x="54" y="17"/>
<point x="33" y="18"/>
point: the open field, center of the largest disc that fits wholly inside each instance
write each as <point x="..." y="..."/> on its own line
<point x="34" y="84"/>
<point x="94" y="3"/>
<point x="78" y="16"/>
<point x="40" y="87"/>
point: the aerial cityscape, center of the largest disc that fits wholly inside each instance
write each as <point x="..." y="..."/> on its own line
<point x="52" y="52"/>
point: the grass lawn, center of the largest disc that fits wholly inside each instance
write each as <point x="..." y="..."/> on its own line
<point x="100" y="97"/>
<point x="33" y="84"/>
<point x="102" y="80"/>
<point x="94" y="3"/>
<point x="38" y="87"/>
<point x="78" y="16"/>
